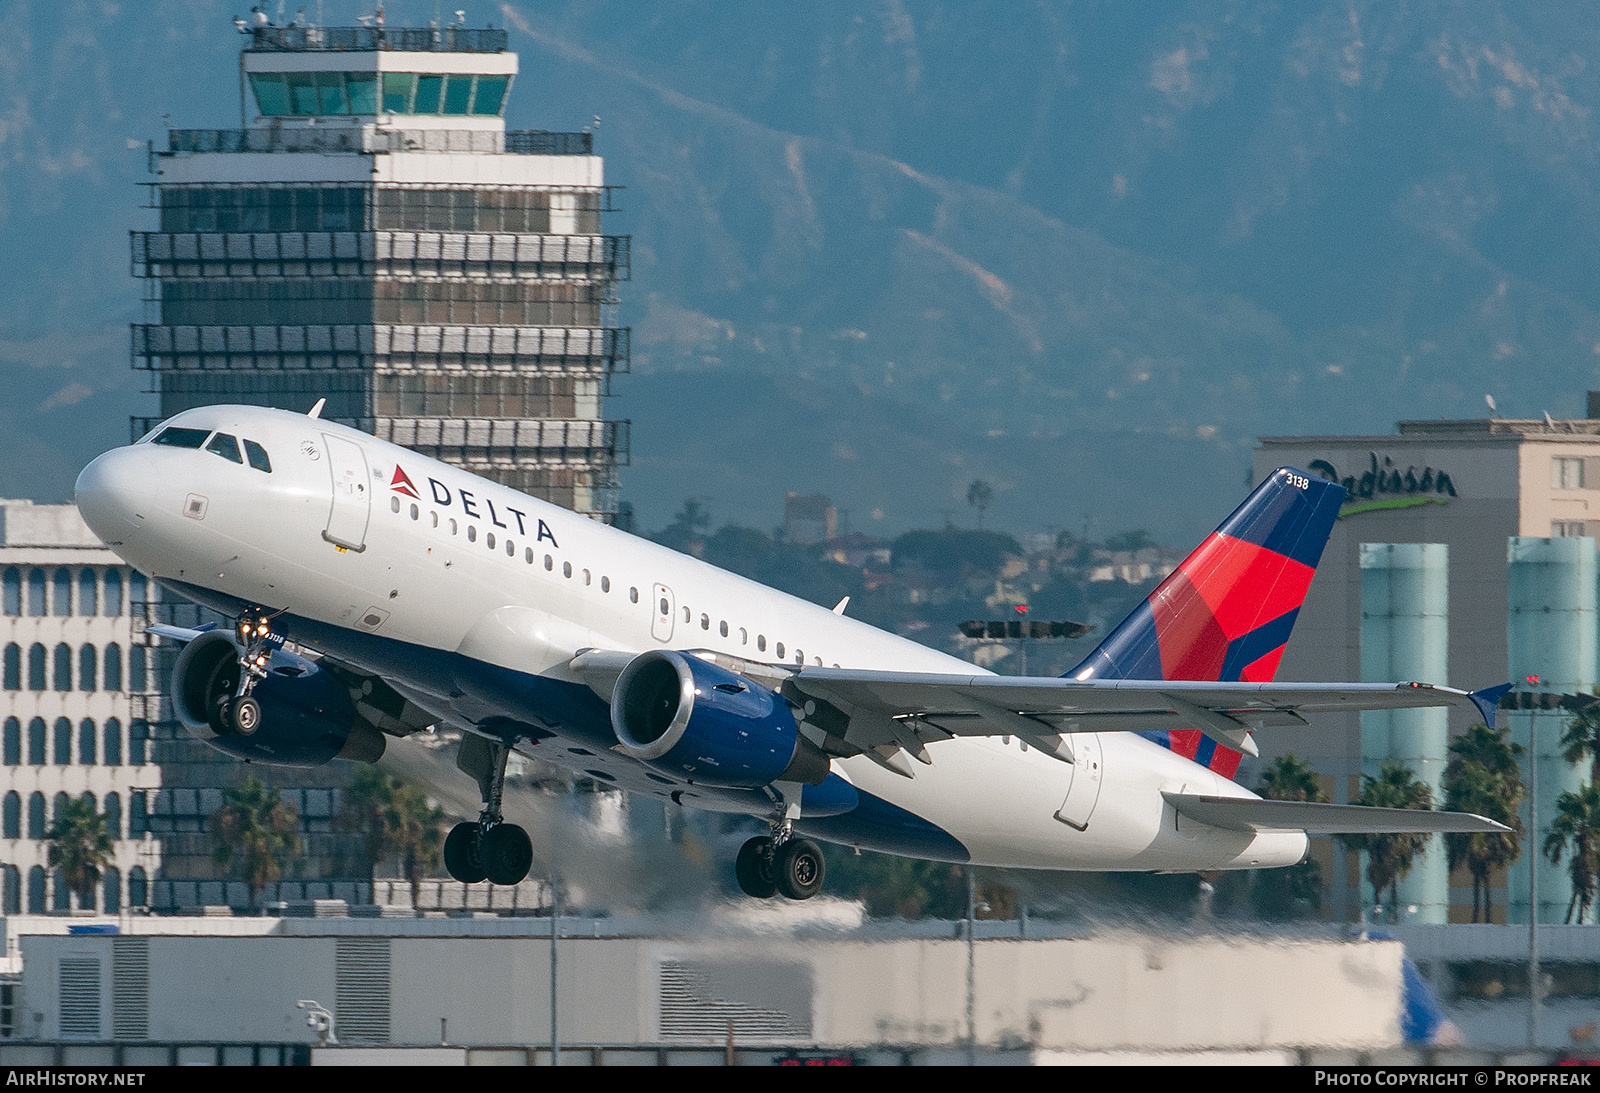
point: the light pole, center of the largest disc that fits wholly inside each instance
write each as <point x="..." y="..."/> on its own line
<point x="1533" y="871"/>
<point x="555" y="928"/>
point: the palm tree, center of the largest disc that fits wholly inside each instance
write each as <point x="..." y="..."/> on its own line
<point x="1580" y="740"/>
<point x="1289" y="779"/>
<point x="1391" y="856"/>
<point x="1483" y="776"/>
<point x="396" y="820"/>
<point x="255" y="833"/>
<point x="979" y="495"/>
<point x="1275" y="892"/>
<point x="1576" y="831"/>
<point x="79" y="847"/>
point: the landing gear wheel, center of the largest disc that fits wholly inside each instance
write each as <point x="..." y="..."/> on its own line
<point x="506" y="853"/>
<point x="461" y="858"/>
<point x="245" y="716"/>
<point x="798" y="868"/>
<point x="221" y="719"/>
<point x="753" y="868"/>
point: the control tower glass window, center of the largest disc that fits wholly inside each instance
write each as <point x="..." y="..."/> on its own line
<point x="325" y="94"/>
<point x="397" y="89"/>
<point x="428" y="88"/>
<point x="491" y="93"/>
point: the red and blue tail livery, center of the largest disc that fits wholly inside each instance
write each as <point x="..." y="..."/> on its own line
<point x="1226" y="612"/>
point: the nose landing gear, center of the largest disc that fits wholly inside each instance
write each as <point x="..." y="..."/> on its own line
<point x="489" y="849"/>
<point x="234" y="711"/>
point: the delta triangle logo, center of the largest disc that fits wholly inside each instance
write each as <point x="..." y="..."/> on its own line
<point x="400" y="483"/>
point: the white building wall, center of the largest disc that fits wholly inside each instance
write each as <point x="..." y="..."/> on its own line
<point x="48" y="540"/>
<point x="490" y="981"/>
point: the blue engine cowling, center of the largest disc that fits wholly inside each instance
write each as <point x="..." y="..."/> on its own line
<point x="307" y="717"/>
<point x="685" y="715"/>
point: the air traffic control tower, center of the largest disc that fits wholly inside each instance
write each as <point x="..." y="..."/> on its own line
<point x="374" y="235"/>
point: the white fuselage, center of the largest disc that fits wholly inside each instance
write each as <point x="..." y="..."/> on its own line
<point x="469" y="567"/>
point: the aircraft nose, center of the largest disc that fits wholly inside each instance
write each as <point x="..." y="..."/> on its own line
<point x="111" y="492"/>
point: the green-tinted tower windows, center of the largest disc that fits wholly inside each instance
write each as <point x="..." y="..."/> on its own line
<point x="457" y="94"/>
<point x="491" y="92"/>
<point x="428" y="88"/>
<point x="272" y="97"/>
<point x="397" y="89"/>
<point x="363" y="91"/>
<point x="330" y="93"/>
<point x="302" y="92"/>
<point x="333" y="94"/>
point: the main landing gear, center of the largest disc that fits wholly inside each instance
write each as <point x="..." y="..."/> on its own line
<point x="490" y="849"/>
<point x="769" y="864"/>
<point x="233" y="711"/>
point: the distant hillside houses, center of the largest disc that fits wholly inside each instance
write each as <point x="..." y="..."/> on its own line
<point x="1133" y="566"/>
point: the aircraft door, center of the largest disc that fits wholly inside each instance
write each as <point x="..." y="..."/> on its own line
<point x="1088" y="772"/>
<point x="662" y="605"/>
<point x="352" y="493"/>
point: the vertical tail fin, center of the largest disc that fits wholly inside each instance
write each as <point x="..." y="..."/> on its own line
<point x="1226" y="612"/>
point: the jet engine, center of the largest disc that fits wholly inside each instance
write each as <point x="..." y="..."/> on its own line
<point x="307" y="716"/>
<point x="684" y="715"/>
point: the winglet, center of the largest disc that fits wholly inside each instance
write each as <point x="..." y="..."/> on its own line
<point x="316" y="410"/>
<point x="1488" y="701"/>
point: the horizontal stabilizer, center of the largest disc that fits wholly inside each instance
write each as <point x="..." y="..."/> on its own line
<point x="1253" y="814"/>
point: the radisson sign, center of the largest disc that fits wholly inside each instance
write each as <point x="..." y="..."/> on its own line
<point x="1385" y="485"/>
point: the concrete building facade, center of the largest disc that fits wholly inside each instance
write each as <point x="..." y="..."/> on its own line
<point x="75" y="668"/>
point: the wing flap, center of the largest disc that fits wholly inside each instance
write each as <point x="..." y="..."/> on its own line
<point x="1253" y="814"/>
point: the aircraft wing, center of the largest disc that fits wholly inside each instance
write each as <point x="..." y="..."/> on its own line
<point x="887" y="715"/>
<point x="905" y="710"/>
<point x="1315" y="818"/>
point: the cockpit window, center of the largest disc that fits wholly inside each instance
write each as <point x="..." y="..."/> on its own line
<point x="258" y="456"/>
<point x="176" y="436"/>
<point x="226" y="446"/>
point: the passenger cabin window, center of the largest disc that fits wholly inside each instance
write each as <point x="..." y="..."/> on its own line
<point x="175" y="436"/>
<point x="394" y="503"/>
<point x="226" y="446"/>
<point x="257" y="456"/>
<point x="780" y="650"/>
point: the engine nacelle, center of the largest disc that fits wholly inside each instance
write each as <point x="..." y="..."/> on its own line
<point x="682" y="714"/>
<point x="307" y="717"/>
